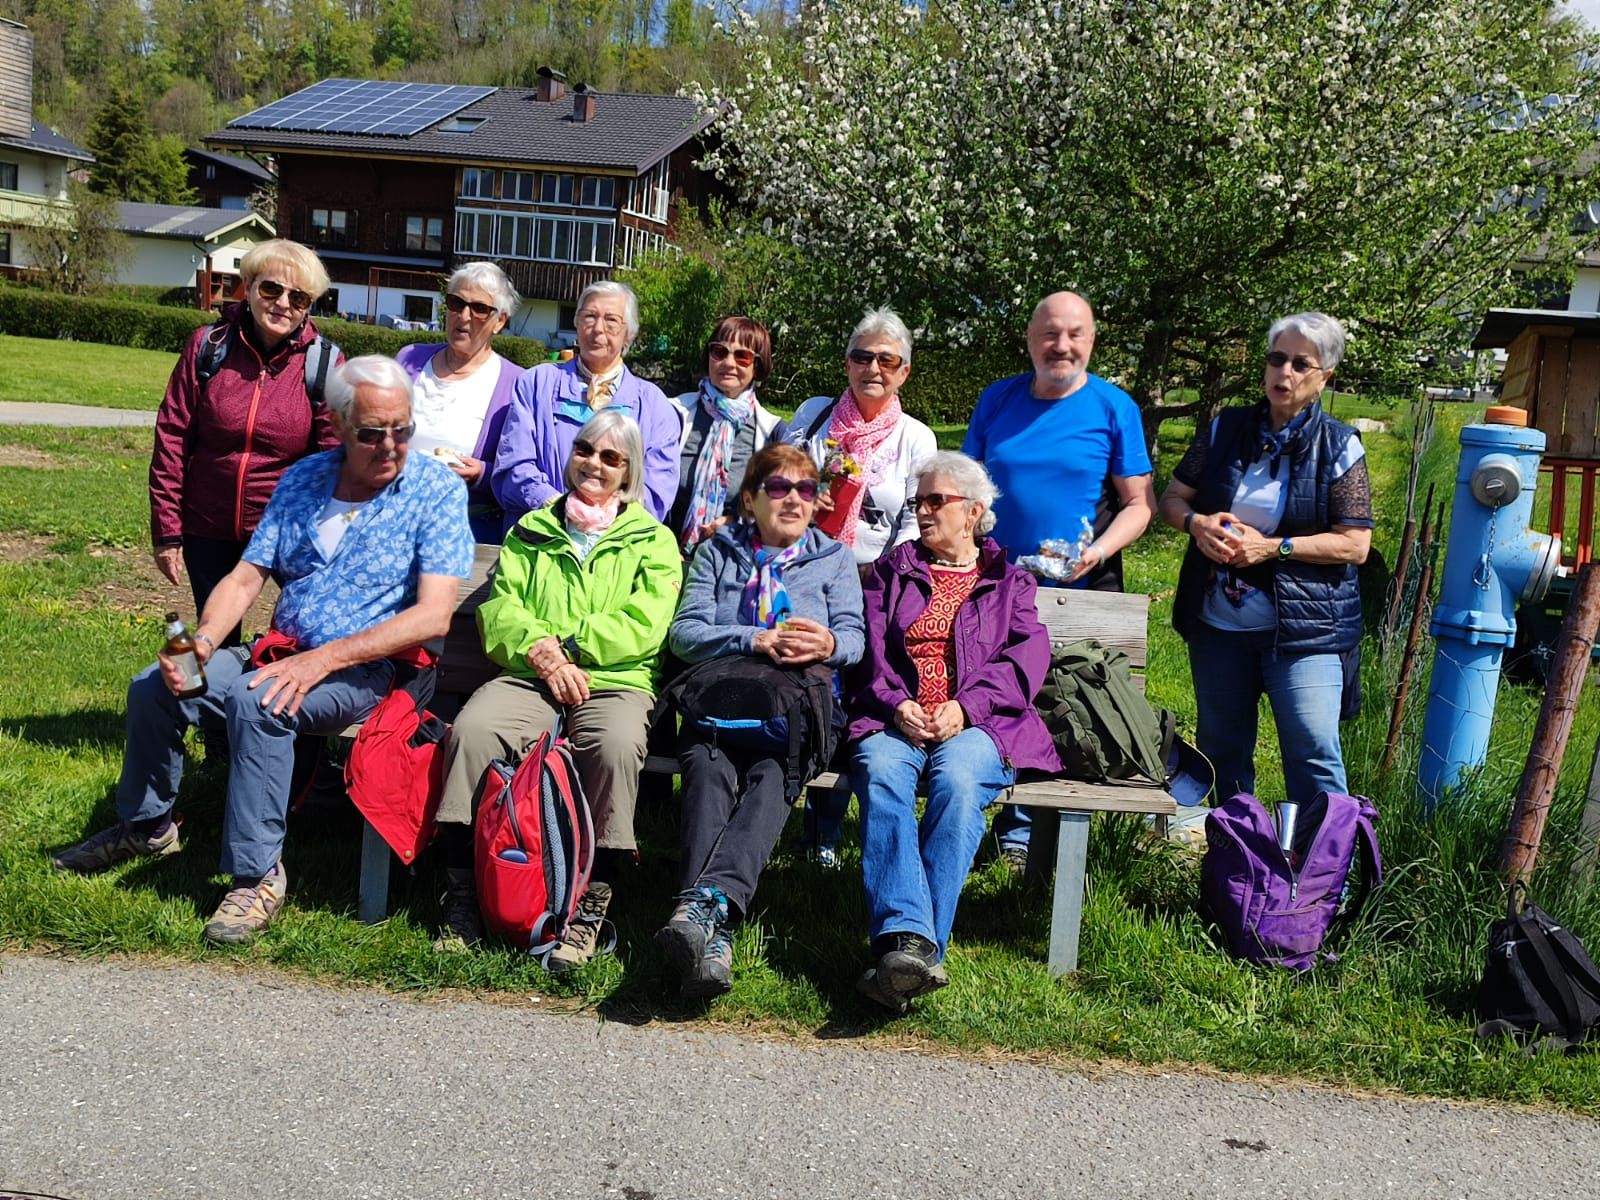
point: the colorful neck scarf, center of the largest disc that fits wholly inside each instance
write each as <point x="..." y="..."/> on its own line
<point x="710" y="493"/>
<point x="862" y="440"/>
<point x="766" y="600"/>
<point x="598" y="389"/>
<point x="592" y="518"/>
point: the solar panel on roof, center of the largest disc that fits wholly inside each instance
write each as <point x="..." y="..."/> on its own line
<point x="369" y="106"/>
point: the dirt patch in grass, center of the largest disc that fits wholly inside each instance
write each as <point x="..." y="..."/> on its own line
<point x="26" y="456"/>
<point x="23" y="547"/>
<point x="137" y="587"/>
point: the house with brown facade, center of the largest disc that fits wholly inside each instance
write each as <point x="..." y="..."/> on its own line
<point x="396" y="184"/>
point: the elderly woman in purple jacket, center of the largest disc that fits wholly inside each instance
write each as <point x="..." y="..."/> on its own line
<point x="943" y="702"/>
<point x="461" y="389"/>
<point x="551" y="403"/>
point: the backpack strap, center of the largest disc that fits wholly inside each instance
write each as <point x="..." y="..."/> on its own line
<point x="821" y="419"/>
<point x="212" y="351"/>
<point x="1538" y="940"/>
<point x="320" y="355"/>
<point x="1371" y="867"/>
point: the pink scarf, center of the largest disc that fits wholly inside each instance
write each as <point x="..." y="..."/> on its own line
<point x="592" y="518"/>
<point x="862" y="440"/>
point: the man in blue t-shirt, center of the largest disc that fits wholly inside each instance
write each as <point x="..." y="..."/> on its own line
<point x="1052" y="439"/>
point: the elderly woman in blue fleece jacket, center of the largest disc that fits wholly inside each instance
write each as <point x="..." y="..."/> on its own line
<point x="770" y="585"/>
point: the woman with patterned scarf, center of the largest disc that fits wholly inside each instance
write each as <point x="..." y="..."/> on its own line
<point x="770" y="586"/>
<point x="724" y="427"/>
<point x="867" y="425"/>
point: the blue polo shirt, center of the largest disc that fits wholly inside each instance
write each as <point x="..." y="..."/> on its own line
<point x="417" y="525"/>
<point x="1050" y="458"/>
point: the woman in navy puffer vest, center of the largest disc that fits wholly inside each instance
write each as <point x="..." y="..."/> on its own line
<point x="1277" y="506"/>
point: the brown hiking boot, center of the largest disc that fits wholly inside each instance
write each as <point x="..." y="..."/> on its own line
<point x="462" y="928"/>
<point x="246" y="910"/>
<point x="583" y="935"/>
<point x="111" y="846"/>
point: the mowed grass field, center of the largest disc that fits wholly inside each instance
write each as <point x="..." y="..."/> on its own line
<point x="80" y="613"/>
<point x="61" y="372"/>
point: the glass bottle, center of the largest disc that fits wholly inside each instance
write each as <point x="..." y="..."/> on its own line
<point x="180" y="649"/>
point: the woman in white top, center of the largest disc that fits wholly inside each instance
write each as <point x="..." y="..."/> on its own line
<point x="462" y="388"/>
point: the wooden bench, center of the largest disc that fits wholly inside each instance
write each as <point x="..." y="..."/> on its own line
<point x="1116" y="618"/>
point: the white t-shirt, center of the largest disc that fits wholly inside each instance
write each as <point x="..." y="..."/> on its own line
<point x="337" y="516"/>
<point x="449" y="413"/>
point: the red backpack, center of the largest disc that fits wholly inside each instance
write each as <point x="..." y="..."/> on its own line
<point x="395" y="772"/>
<point x="534" y="846"/>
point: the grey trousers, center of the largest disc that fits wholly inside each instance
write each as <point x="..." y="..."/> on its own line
<point x="607" y="735"/>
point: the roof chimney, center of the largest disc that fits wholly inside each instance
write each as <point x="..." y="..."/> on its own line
<point x="582" y="103"/>
<point x="552" y="84"/>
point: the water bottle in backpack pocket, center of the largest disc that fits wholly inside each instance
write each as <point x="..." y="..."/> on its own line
<point x="1277" y="905"/>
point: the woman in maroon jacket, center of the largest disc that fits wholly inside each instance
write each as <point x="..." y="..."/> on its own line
<point x="222" y="443"/>
<point x="942" y="702"/>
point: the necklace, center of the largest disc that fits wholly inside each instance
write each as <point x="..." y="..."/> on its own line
<point x="955" y="562"/>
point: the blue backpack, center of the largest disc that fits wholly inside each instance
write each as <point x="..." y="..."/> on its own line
<point x="1278" y="910"/>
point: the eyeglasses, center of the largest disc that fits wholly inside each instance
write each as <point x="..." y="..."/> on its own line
<point x="865" y="358"/>
<point x="609" y="457"/>
<point x="373" y="435"/>
<point x="1300" y="363"/>
<point x="777" y="487"/>
<point x="460" y="304"/>
<point x="610" y="322"/>
<point x="739" y="354"/>
<point x="271" y="289"/>
<point x="933" y="501"/>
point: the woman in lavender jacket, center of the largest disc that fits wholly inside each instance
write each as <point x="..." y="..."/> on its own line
<point x="943" y="700"/>
<point x="461" y="389"/>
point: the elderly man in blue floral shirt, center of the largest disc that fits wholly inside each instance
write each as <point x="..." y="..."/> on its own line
<point x="367" y="543"/>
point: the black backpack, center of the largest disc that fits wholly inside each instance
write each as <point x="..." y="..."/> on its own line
<point x="1538" y="980"/>
<point x="754" y="704"/>
<point x="1102" y="725"/>
<point x="321" y="354"/>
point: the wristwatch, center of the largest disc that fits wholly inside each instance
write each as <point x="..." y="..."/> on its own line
<point x="1286" y="548"/>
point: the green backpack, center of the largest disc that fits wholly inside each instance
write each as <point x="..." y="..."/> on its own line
<point x="1102" y="725"/>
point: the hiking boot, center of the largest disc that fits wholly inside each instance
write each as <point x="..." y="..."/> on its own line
<point x="713" y="974"/>
<point x="911" y="967"/>
<point x="114" y="845"/>
<point x="583" y="935"/>
<point x="1013" y="858"/>
<point x="690" y="929"/>
<point x="873" y="989"/>
<point x="248" y="909"/>
<point x="462" y="927"/>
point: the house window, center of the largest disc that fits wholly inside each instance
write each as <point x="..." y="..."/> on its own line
<point x="418" y="308"/>
<point x="5" y="248"/>
<point x="567" y="318"/>
<point x="550" y="239"/>
<point x="333" y="226"/>
<point x="211" y="171"/>
<point x="477" y="183"/>
<point x="8" y="178"/>
<point x="598" y="191"/>
<point x="519" y="185"/>
<point x="425" y="233"/>
<point x="649" y="195"/>
<point x="555" y="189"/>
<point x="475" y="233"/>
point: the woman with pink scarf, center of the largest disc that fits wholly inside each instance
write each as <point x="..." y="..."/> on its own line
<point x="867" y="425"/>
<point x="580" y="603"/>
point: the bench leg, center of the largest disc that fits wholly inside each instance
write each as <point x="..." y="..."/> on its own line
<point x="373" y="905"/>
<point x="1066" y="908"/>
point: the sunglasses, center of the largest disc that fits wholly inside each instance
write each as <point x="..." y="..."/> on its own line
<point x="865" y="358"/>
<point x="933" y="501"/>
<point x="777" y="487"/>
<point x="373" y="435"/>
<point x="739" y="354"/>
<point x="1299" y="362"/>
<point x="271" y="289"/>
<point x="460" y="304"/>
<point x="609" y="457"/>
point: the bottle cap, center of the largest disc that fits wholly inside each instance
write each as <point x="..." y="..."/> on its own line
<point x="172" y="618"/>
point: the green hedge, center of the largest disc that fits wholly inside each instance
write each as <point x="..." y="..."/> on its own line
<point x="943" y="388"/>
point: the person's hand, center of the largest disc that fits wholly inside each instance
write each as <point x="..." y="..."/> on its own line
<point x="711" y="527"/>
<point x="569" y="685"/>
<point x="802" y="640"/>
<point x="1092" y="558"/>
<point x="946" y="721"/>
<point x="1251" y="547"/>
<point x="470" y="469"/>
<point x="169" y="561"/>
<point x="287" y="681"/>
<point x="174" y="678"/>
<point x="824" y="503"/>
<point x="910" y="720"/>
<point x="1216" y="534"/>
<point x="765" y="642"/>
<point x="546" y="657"/>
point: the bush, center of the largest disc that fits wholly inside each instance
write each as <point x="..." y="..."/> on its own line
<point x="943" y="388"/>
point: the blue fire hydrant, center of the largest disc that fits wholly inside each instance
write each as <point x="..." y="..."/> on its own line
<point x="1493" y="563"/>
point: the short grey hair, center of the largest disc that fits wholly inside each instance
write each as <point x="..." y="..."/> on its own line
<point x="882" y="323"/>
<point x="376" y="370"/>
<point x="624" y="431"/>
<point x="489" y="278"/>
<point x="610" y="287"/>
<point x="966" y="473"/>
<point x="1321" y="330"/>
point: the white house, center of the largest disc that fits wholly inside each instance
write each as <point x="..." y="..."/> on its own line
<point x="174" y="243"/>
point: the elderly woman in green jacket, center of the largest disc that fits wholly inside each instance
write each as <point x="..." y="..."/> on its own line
<point x="581" y="603"/>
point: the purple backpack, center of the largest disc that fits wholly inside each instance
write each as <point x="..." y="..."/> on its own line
<point x="1269" y="912"/>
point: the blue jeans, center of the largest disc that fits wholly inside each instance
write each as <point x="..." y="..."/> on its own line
<point x="260" y="748"/>
<point x="824" y="817"/>
<point x="1231" y="672"/>
<point x="914" y="872"/>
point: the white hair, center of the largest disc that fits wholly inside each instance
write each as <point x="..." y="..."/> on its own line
<point x="610" y="287"/>
<point x="966" y="473"/>
<point x="1321" y="330"/>
<point x="882" y="323"/>
<point x="489" y="278"/>
<point x="624" y="432"/>
<point x="375" y="370"/>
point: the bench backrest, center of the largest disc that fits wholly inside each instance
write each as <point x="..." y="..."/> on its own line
<point x="1116" y="618"/>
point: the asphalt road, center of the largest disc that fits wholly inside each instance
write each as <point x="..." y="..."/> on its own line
<point x="18" y="412"/>
<point x="145" y="1081"/>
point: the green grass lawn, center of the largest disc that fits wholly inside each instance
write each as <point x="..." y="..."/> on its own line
<point x="1393" y="1013"/>
<point x="58" y="372"/>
